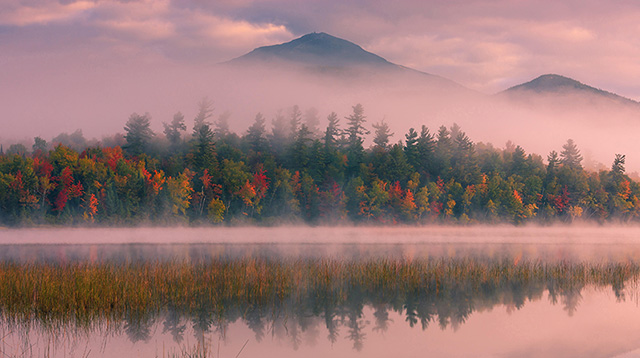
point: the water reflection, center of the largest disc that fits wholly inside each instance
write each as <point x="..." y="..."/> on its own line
<point x="307" y="299"/>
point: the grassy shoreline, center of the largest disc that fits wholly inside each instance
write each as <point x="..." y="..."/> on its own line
<point x="83" y="293"/>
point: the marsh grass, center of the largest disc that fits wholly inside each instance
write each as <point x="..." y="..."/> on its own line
<point x="120" y="295"/>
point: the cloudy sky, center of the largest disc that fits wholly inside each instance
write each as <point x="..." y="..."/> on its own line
<point x="50" y="45"/>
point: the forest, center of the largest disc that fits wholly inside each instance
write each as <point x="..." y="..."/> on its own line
<point x="291" y="171"/>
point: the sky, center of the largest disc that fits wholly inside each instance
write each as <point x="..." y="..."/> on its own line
<point x="484" y="45"/>
<point x="53" y="52"/>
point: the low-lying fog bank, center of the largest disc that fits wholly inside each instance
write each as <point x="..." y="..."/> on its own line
<point x="567" y="243"/>
<point x="327" y="235"/>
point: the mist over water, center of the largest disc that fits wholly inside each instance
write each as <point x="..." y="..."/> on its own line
<point x="547" y="244"/>
<point x="444" y="291"/>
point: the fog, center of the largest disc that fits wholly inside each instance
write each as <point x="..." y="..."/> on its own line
<point x="99" y="97"/>
<point x="551" y="244"/>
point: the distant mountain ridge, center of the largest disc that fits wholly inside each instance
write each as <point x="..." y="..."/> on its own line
<point x="332" y="57"/>
<point x="324" y="54"/>
<point x="315" y="48"/>
<point x="557" y="84"/>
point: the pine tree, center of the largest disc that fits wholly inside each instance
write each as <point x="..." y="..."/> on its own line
<point x="382" y="134"/>
<point x="204" y="150"/>
<point x="355" y="126"/>
<point x="570" y="155"/>
<point x="617" y="168"/>
<point x="332" y="132"/>
<point x="172" y="130"/>
<point x="222" y="125"/>
<point x="279" y="130"/>
<point x="426" y="145"/>
<point x="294" y="121"/>
<point x="312" y="121"/>
<point x="411" y="148"/>
<point x="139" y="133"/>
<point x="355" y="132"/>
<point x="256" y="134"/>
<point x="205" y="111"/>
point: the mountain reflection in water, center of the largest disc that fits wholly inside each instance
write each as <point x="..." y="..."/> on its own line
<point x="191" y="291"/>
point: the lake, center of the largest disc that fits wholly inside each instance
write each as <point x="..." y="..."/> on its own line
<point x="318" y="292"/>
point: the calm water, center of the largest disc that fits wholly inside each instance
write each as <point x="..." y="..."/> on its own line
<point x="515" y="318"/>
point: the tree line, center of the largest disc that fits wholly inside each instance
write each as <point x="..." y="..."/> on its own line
<point x="296" y="172"/>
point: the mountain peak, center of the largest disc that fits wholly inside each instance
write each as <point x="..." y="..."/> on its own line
<point x="317" y="48"/>
<point x="557" y="84"/>
<point x="552" y="83"/>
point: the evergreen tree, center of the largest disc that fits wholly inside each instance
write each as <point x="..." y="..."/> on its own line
<point x="355" y="126"/>
<point x="617" y="168"/>
<point x="463" y="160"/>
<point x="332" y="132"/>
<point x="172" y="131"/>
<point x="553" y="161"/>
<point x="221" y="129"/>
<point x="39" y="144"/>
<point x="205" y="111"/>
<point x="279" y="130"/>
<point x="443" y="152"/>
<point x="411" y="148"/>
<point x="570" y="155"/>
<point x="355" y="132"/>
<point x="299" y="150"/>
<point x="382" y="134"/>
<point x="138" y="133"/>
<point x="295" y="119"/>
<point x="426" y="146"/>
<point x="312" y="121"/>
<point x="256" y="134"/>
<point x="204" y="155"/>
<point x="518" y="161"/>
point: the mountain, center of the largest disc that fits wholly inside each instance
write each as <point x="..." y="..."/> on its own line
<point x="314" y="49"/>
<point x="333" y="57"/>
<point x="558" y="86"/>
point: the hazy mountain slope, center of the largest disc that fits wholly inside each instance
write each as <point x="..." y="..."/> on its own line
<point x="330" y="56"/>
<point x="315" y="48"/>
<point x="557" y="86"/>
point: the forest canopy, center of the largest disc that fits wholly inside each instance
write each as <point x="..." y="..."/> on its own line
<point x="290" y="170"/>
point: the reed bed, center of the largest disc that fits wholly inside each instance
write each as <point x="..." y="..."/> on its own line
<point x="83" y="294"/>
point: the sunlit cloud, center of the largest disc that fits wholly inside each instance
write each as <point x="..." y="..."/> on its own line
<point x="25" y="15"/>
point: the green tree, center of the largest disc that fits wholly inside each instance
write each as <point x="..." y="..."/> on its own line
<point x="355" y="132"/>
<point x="332" y="132"/>
<point x="312" y="121"/>
<point x="425" y="147"/>
<point x="382" y="134"/>
<point x="279" y="134"/>
<point x="39" y="145"/>
<point x="221" y="129"/>
<point x="205" y="111"/>
<point x="355" y="126"/>
<point x="256" y="134"/>
<point x="138" y="133"/>
<point x="411" y="149"/>
<point x="617" y="168"/>
<point x="295" y="118"/>
<point x="204" y="150"/>
<point x="570" y="155"/>
<point x="173" y="129"/>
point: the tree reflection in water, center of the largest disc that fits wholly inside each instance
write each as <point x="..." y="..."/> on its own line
<point x="291" y="300"/>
